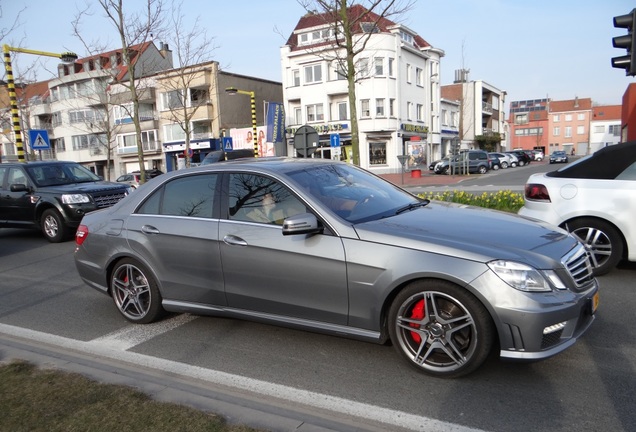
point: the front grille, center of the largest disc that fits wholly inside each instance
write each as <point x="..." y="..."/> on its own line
<point x="551" y="339"/>
<point x="109" y="199"/>
<point x="577" y="262"/>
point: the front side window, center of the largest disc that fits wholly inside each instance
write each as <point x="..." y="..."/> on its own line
<point x="255" y="198"/>
<point x="191" y="196"/>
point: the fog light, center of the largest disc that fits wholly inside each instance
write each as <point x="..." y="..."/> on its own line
<point x="554" y="328"/>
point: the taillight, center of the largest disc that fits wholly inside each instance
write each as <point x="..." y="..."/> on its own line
<point x="81" y="234"/>
<point x="537" y="192"/>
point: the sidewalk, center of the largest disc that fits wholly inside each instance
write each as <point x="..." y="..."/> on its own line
<point x="426" y="178"/>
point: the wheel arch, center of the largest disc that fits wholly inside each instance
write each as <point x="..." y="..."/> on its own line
<point x="390" y="298"/>
<point x="110" y="268"/>
<point x="564" y="225"/>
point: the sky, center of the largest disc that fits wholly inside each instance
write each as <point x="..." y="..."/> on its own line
<point x="558" y="49"/>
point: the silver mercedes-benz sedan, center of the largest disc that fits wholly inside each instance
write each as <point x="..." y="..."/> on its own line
<point x="328" y="247"/>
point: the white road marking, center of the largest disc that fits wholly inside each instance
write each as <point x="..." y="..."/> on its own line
<point x="294" y="395"/>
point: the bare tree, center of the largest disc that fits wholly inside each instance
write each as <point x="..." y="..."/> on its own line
<point x="186" y="84"/>
<point x="134" y="28"/>
<point x="352" y="33"/>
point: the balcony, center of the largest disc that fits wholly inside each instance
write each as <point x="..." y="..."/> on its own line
<point x="148" y="147"/>
<point x="486" y="108"/>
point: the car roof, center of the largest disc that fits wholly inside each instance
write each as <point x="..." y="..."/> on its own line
<point x="604" y="164"/>
<point x="37" y="163"/>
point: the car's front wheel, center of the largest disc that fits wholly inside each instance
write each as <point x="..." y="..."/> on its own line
<point x="53" y="227"/>
<point x="484" y="169"/>
<point x="135" y="292"/>
<point x="504" y="165"/>
<point x="440" y="328"/>
<point x="602" y="240"/>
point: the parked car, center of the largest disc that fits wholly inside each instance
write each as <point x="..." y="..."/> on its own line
<point x="473" y="161"/>
<point x="538" y="155"/>
<point x="522" y="157"/>
<point x="133" y="179"/>
<point x="595" y="199"/>
<point x="514" y="160"/>
<point x="559" y="156"/>
<point x="52" y="196"/>
<point x="505" y="160"/>
<point x="326" y="246"/>
<point x="222" y="155"/>
<point x="495" y="163"/>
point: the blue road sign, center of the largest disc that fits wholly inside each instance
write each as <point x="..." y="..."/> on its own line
<point x="227" y="143"/>
<point x="334" y="140"/>
<point x="39" y="139"/>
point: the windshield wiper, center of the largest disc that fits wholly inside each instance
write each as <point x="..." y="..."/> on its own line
<point x="412" y="206"/>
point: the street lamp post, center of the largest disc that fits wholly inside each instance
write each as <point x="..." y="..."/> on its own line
<point x="66" y="57"/>
<point x="252" y="95"/>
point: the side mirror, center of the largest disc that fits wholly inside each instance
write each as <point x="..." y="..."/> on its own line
<point x="19" y="187"/>
<point x="304" y="223"/>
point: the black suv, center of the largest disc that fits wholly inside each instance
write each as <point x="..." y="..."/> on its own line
<point x="52" y="196"/>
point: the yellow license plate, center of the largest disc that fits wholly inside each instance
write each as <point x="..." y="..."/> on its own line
<point x="595" y="301"/>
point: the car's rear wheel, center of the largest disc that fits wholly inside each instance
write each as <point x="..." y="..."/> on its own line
<point x="440" y="328"/>
<point x="504" y="165"/>
<point x="135" y="292"/>
<point x="601" y="239"/>
<point x="53" y="227"/>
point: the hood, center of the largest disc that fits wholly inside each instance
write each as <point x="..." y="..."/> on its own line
<point x="87" y="187"/>
<point x="472" y="233"/>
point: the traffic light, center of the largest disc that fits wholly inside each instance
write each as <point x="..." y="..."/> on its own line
<point x="628" y="41"/>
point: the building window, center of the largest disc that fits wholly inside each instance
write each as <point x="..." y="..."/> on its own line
<point x="172" y="99"/>
<point x="392" y="107"/>
<point x="391" y="66"/>
<point x="298" y="115"/>
<point x="444" y="117"/>
<point x="313" y="74"/>
<point x="409" y="110"/>
<point x="615" y="130"/>
<point x="557" y="131"/>
<point x="342" y="111"/>
<point x="363" y="67"/>
<point x="419" y="112"/>
<point x="379" y="108"/>
<point x="377" y="153"/>
<point x="556" y="118"/>
<point x="580" y="116"/>
<point x="408" y="73"/>
<point x="341" y="73"/>
<point x="295" y="78"/>
<point x="364" y="108"/>
<point x="378" y="63"/>
<point x="58" y="144"/>
<point x="173" y="132"/>
<point x="521" y="118"/>
<point x="419" y="77"/>
<point x="580" y="130"/>
<point x="599" y="129"/>
<point x="315" y="113"/>
<point x="568" y="131"/>
<point x="568" y="117"/>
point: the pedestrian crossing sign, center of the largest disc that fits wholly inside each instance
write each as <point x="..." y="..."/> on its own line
<point x="39" y="139"/>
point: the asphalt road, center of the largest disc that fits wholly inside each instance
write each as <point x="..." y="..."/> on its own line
<point x="284" y="379"/>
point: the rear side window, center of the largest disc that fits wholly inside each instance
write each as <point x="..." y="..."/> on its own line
<point x="191" y="196"/>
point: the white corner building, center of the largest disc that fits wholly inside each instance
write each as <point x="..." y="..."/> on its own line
<point x="397" y="91"/>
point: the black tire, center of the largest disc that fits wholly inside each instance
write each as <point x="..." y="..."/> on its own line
<point x="602" y="240"/>
<point x="135" y="292"/>
<point x="53" y="227"/>
<point x="504" y="165"/>
<point x="429" y="317"/>
<point x="483" y="169"/>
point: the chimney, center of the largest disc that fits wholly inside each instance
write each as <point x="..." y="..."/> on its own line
<point x="166" y="53"/>
<point x="576" y="101"/>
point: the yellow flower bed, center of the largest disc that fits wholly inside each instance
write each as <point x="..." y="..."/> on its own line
<point x="504" y="200"/>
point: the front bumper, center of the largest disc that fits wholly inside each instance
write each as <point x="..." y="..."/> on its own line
<point x="534" y="326"/>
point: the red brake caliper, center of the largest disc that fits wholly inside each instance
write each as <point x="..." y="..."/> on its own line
<point x="417" y="314"/>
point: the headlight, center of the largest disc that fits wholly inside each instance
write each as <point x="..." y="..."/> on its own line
<point x="520" y="276"/>
<point x="75" y="199"/>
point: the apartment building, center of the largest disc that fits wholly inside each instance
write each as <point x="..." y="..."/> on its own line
<point x="481" y="110"/>
<point x="529" y="120"/>
<point x="569" y="126"/>
<point x="397" y="89"/>
<point x="605" y="126"/>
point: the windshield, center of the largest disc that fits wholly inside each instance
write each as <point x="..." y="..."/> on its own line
<point x="352" y="193"/>
<point x="61" y="174"/>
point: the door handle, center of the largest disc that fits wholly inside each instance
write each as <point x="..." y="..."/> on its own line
<point x="234" y="241"/>
<point x="149" y="229"/>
